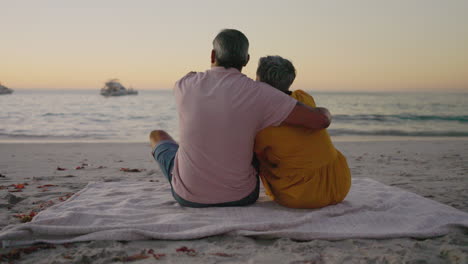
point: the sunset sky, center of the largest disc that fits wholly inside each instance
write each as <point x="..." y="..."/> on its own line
<point x="335" y="45"/>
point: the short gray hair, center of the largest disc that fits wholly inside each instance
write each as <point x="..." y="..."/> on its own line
<point x="231" y="48"/>
<point x="276" y="71"/>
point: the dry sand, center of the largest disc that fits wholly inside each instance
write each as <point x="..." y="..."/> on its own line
<point x="436" y="169"/>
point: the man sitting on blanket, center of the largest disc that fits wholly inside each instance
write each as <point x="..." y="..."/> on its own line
<point x="220" y="112"/>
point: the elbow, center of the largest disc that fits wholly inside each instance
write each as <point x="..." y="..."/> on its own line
<point x="326" y="122"/>
<point x="321" y="122"/>
<point x="326" y="118"/>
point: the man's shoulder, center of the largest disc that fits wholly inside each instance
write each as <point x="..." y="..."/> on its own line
<point x="267" y="88"/>
<point x="188" y="75"/>
<point x="187" y="79"/>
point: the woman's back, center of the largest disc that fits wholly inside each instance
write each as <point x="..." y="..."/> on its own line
<point x="301" y="168"/>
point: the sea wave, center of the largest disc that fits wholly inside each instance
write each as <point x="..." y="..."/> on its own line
<point x="398" y="133"/>
<point x="332" y="132"/>
<point x="49" y="114"/>
<point x="402" y="117"/>
<point x="81" y="117"/>
<point x="52" y="136"/>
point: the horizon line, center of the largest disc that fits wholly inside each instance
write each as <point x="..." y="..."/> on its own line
<point x="430" y="90"/>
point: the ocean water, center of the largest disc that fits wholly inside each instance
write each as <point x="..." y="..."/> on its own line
<point x="68" y="116"/>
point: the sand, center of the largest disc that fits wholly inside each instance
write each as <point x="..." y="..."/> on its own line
<point x="436" y="169"/>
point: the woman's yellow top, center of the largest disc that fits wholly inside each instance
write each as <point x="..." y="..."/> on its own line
<point x="300" y="168"/>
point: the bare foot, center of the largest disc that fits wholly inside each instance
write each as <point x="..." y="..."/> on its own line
<point x="158" y="135"/>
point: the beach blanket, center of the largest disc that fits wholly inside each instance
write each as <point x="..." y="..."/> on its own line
<point x="146" y="210"/>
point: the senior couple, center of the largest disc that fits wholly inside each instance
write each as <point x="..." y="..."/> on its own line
<point x="235" y="131"/>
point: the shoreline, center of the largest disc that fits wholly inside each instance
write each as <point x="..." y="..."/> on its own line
<point x="20" y="140"/>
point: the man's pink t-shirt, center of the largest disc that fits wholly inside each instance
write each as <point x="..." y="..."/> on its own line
<point x="220" y="112"/>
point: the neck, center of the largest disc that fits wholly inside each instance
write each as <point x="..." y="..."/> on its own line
<point x="216" y="65"/>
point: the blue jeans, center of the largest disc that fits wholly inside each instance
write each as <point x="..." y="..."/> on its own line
<point x="164" y="153"/>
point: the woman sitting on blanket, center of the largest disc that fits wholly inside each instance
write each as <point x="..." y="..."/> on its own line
<point x="299" y="168"/>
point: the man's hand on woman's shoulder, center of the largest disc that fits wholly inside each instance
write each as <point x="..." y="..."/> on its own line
<point x="316" y="118"/>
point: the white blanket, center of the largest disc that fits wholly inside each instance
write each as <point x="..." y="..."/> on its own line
<point x="146" y="210"/>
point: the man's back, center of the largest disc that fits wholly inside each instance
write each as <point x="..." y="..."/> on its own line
<point x="220" y="112"/>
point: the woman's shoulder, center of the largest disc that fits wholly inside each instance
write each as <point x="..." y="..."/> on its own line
<point x="303" y="97"/>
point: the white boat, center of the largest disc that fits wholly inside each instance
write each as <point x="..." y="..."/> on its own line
<point x="5" y="90"/>
<point x="114" y="88"/>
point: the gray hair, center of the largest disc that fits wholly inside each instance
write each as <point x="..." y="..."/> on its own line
<point x="277" y="72"/>
<point x="231" y="48"/>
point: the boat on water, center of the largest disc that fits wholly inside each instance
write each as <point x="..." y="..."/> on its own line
<point x="5" y="90"/>
<point x="114" y="88"/>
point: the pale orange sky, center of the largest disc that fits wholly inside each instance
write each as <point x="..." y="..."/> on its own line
<point x="335" y="45"/>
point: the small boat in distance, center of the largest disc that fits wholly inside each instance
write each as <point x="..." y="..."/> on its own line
<point x="5" y="90"/>
<point x="114" y="88"/>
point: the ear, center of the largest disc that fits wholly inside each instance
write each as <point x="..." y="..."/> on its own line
<point x="248" y="58"/>
<point x="213" y="56"/>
